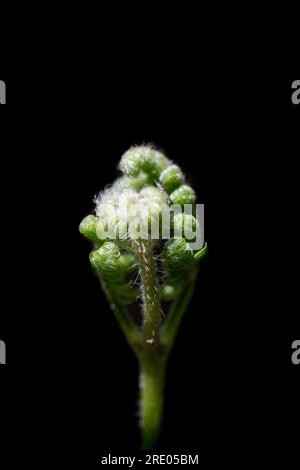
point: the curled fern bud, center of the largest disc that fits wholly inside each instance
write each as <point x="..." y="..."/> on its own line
<point x="106" y="260"/>
<point x="178" y="257"/>
<point x="88" y="228"/>
<point x="171" y="178"/>
<point x="110" y="264"/>
<point x="183" y="195"/>
<point x="145" y="159"/>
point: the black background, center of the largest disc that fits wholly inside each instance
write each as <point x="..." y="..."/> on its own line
<point x="70" y="383"/>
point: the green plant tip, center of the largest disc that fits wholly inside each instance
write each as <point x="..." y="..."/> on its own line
<point x="183" y="195"/>
<point x="171" y="178"/>
<point x="145" y="272"/>
<point x="143" y="159"/>
<point x="88" y="228"/>
<point x="177" y="256"/>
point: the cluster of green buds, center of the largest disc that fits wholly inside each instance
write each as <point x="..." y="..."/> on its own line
<point x="144" y="250"/>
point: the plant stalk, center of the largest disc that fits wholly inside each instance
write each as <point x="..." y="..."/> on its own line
<point x="152" y="381"/>
<point x="177" y="311"/>
<point x="152" y="357"/>
<point x="150" y="291"/>
<point x="125" y="321"/>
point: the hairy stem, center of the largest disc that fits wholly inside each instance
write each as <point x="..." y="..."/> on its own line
<point x="152" y="356"/>
<point x="152" y="379"/>
<point x="150" y="292"/>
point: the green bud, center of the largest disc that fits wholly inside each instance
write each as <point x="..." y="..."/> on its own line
<point x="112" y="265"/>
<point x="171" y="178"/>
<point x="168" y="293"/>
<point x="178" y="257"/>
<point x="107" y="252"/>
<point x="88" y="228"/>
<point x="183" y="195"/>
<point x="106" y="260"/>
<point x="143" y="158"/>
<point x="130" y="162"/>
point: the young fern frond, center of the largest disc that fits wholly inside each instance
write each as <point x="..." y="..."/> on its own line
<point x="128" y="233"/>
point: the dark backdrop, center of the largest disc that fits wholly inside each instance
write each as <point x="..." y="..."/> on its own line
<point x="70" y="385"/>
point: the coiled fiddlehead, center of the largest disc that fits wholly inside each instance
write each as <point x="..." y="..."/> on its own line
<point x="128" y="233"/>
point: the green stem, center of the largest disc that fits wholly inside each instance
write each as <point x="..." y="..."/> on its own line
<point x="177" y="311"/>
<point x="152" y="379"/>
<point x="124" y="319"/>
<point x="150" y="291"/>
<point x="152" y="356"/>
